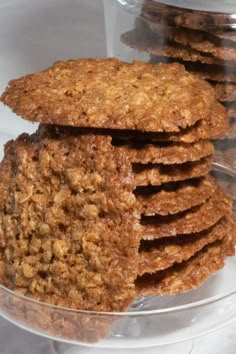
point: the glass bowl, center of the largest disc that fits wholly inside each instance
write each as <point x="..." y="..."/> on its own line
<point x="151" y="321"/>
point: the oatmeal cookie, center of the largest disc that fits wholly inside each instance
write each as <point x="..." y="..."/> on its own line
<point x="216" y="73"/>
<point x="70" y="222"/>
<point x="194" y="220"/>
<point x="154" y="174"/>
<point x="173" y="198"/>
<point x="162" y="47"/>
<point x="108" y="93"/>
<point x="205" y="129"/>
<point x="160" y="254"/>
<point x="168" y="153"/>
<point x="188" y="275"/>
<point x="206" y="43"/>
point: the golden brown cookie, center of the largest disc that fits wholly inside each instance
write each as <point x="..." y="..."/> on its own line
<point x="188" y="275"/>
<point x="70" y="222"/>
<point x="157" y="12"/>
<point x="159" y="47"/>
<point x="215" y="73"/>
<point x="206" y="43"/>
<point x="108" y="93"/>
<point x="219" y="44"/>
<point x="205" y="129"/>
<point x="6" y="170"/>
<point x="225" y="92"/>
<point x="167" y="26"/>
<point x="194" y="220"/>
<point x="174" y="198"/>
<point x="216" y="43"/>
<point x="218" y="24"/>
<point x="168" y="153"/>
<point x="158" y="174"/>
<point x="161" y="254"/>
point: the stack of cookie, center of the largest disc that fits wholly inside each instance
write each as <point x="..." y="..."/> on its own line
<point x="192" y="38"/>
<point x="111" y="198"/>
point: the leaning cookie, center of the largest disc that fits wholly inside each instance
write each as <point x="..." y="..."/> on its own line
<point x="68" y="190"/>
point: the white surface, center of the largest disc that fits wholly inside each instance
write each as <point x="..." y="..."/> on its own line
<point x="16" y="341"/>
<point x="33" y="35"/>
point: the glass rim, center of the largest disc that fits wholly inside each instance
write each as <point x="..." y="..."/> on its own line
<point x="136" y="313"/>
<point x="224" y="16"/>
<point x="219" y="8"/>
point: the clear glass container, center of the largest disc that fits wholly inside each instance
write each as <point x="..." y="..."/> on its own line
<point x="201" y="35"/>
<point x="161" y="322"/>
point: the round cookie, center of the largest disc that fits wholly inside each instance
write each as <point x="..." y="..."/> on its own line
<point x="205" y="129"/>
<point x="194" y="220"/>
<point x="159" y="174"/>
<point x="165" y="48"/>
<point x="206" y="43"/>
<point x="213" y="73"/>
<point x="108" y="93"/>
<point x="162" y="254"/>
<point x="174" y="198"/>
<point x="188" y="275"/>
<point x="220" y="44"/>
<point x="169" y="153"/>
